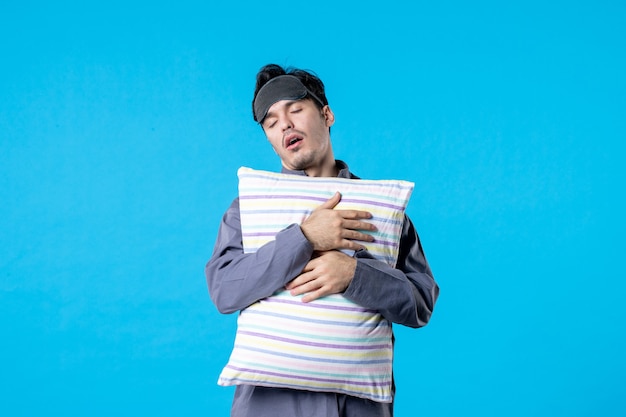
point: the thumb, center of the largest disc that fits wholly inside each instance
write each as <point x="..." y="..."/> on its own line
<point x="331" y="202"/>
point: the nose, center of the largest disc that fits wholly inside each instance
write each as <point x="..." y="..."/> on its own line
<point x="286" y="122"/>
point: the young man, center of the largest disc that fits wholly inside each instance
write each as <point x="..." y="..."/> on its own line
<point x="292" y="109"/>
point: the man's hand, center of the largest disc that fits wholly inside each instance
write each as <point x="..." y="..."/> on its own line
<point x="327" y="273"/>
<point x="329" y="229"/>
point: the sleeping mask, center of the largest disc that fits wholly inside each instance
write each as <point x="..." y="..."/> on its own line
<point x="283" y="87"/>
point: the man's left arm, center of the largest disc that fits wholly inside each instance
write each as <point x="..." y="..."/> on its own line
<point x="405" y="294"/>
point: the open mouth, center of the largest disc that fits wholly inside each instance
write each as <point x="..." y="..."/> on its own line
<point x="292" y="140"/>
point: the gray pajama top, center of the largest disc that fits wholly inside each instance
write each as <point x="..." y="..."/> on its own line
<point x="404" y="295"/>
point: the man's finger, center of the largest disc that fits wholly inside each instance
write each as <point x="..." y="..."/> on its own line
<point x="314" y="295"/>
<point x="355" y="214"/>
<point x="359" y="225"/>
<point x="331" y="202"/>
<point x="352" y="245"/>
<point x="354" y="235"/>
<point x="303" y="288"/>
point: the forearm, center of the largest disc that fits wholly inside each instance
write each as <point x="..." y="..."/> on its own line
<point x="406" y="299"/>
<point x="406" y="294"/>
<point x="237" y="279"/>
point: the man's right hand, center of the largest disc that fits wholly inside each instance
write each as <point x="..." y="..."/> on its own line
<point x="329" y="229"/>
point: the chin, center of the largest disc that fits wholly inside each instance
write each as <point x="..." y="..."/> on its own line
<point x="302" y="164"/>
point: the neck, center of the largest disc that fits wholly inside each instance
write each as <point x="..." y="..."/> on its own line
<point x="328" y="168"/>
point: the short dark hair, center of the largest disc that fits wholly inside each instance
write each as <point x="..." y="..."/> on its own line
<point x="308" y="78"/>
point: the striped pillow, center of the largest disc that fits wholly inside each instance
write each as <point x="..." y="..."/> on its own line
<point x="331" y="344"/>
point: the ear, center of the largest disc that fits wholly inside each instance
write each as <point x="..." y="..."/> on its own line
<point x="329" y="116"/>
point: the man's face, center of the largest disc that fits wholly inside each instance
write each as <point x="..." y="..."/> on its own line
<point x="299" y="133"/>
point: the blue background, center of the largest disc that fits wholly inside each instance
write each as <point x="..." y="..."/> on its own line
<point x="122" y="125"/>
